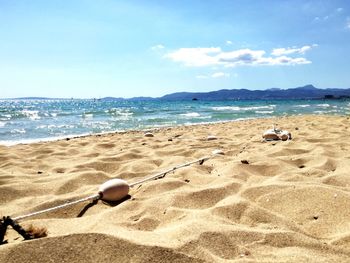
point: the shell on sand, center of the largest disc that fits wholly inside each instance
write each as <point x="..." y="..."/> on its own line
<point x="211" y="138"/>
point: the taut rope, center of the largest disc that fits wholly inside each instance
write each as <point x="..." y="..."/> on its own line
<point x="99" y="195"/>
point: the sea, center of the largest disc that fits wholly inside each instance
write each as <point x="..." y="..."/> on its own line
<point x="33" y="120"/>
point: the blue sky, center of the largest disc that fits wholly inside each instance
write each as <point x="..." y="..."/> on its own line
<point x="92" y="49"/>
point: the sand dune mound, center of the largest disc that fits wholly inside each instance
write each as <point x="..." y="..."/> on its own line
<point x="260" y="202"/>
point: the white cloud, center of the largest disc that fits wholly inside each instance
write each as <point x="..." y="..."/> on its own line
<point x="214" y="75"/>
<point x="288" y="50"/>
<point x="228" y="42"/>
<point x="220" y="75"/>
<point x="284" y="60"/>
<point x="195" y="57"/>
<point x="340" y="9"/>
<point x="214" y="56"/>
<point x="241" y="57"/>
<point x="157" y="47"/>
<point x="348" y="24"/>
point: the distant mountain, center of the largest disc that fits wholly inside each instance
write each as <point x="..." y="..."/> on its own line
<point x="274" y="89"/>
<point x="305" y="92"/>
<point x="111" y="98"/>
<point x="141" y="98"/>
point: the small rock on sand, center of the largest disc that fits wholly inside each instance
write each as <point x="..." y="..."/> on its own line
<point x="211" y="138"/>
<point x="149" y="134"/>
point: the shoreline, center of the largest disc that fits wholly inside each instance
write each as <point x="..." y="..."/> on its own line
<point x="59" y="138"/>
<point x="69" y="137"/>
<point x="50" y="122"/>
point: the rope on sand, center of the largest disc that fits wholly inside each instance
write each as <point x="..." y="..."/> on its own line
<point x="162" y="174"/>
<point x="111" y="190"/>
<point x="92" y="198"/>
<point x="116" y="189"/>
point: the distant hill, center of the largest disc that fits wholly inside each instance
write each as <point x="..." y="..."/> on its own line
<point x="305" y="92"/>
<point x="110" y="98"/>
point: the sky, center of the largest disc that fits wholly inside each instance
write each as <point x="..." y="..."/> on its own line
<point x="94" y="49"/>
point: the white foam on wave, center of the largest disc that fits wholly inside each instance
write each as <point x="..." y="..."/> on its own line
<point x="224" y="108"/>
<point x="191" y="114"/>
<point x="236" y="108"/>
<point x="323" y="105"/>
<point x="268" y="107"/>
<point x="31" y="114"/>
<point x="54" y="126"/>
<point x="87" y="115"/>
<point x="2" y="124"/>
<point x="21" y="131"/>
<point x="264" y="112"/>
<point x="302" y="106"/>
<point x="121" y="112"/>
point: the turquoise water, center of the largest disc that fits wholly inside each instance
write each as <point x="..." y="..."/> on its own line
<point x="34" y="120"/>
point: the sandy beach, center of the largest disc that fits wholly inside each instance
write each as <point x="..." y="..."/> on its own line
<point x="288" y="201"/>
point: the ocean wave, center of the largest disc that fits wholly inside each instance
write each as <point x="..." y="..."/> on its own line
<point x="249" y="108"/>
<point x="224" y="108"/>
<point x="31" y="114"/>
<point x="54" y="126"/>
<point x="264" y="112"/>
<point x="20" y="131"/>
<point x="268" y="107"/>
<point x="81" y="116"/>
<point x="191" y="114"/>
<point x="323" y="105"/>
<point x="302" y="106"/>
<point x="87" y="115"/>
<point x="7" y="116"/>
<point x="121" y="112"/>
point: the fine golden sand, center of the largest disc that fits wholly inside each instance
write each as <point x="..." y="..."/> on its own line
<point x="286" y="202"/>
